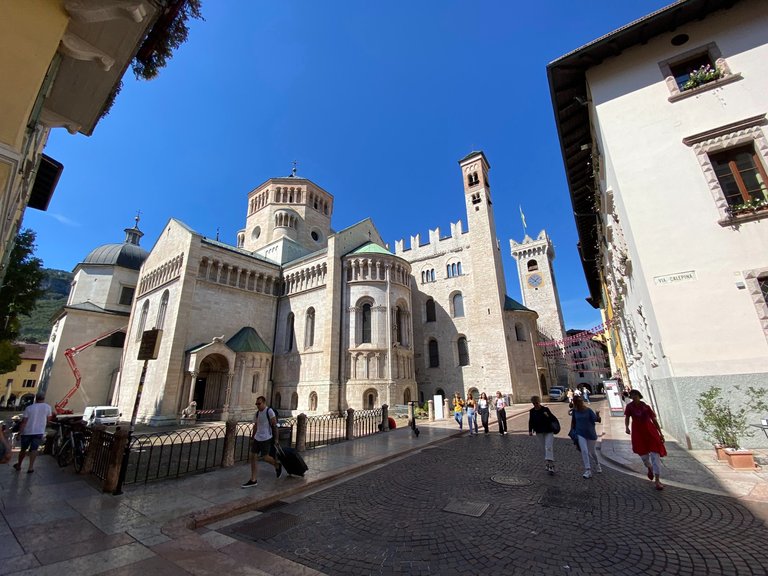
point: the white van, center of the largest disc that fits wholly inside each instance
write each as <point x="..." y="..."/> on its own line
<point x="106" y="415"/>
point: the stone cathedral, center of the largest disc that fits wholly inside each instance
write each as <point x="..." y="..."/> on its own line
<point x="319" y="320"/>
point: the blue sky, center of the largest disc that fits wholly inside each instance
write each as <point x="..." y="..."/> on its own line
<point x="377" y="101"/>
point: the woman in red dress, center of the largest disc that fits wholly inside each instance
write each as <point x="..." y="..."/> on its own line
<point x="647" y="439"/>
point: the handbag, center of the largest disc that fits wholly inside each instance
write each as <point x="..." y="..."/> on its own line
<point x="555" y="424"/>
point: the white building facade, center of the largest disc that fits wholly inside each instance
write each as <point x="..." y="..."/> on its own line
<point x="667" y="173"/>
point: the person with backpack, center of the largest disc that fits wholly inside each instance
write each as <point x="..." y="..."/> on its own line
<point x="264" y="441"/>
<point x="545" y="425"/>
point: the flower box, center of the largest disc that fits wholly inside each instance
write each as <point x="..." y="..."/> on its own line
<point x="740" y="459"/>
<point x="720" y="453"/>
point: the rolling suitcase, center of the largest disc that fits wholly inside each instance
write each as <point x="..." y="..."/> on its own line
<point x="292" y="461"/>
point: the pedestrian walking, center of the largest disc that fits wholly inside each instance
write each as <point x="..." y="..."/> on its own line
<point x="5" y="446"/>
<point x="585" y="394"/>
<point x="32" y="430"/>
<point x="458" y="410"/>
<point x="501" y="413"/>
<point x="583" y="422"/>
<point x="472" y="414"/>
<point x="484" y="408"/>
<point x="647" y="438"/>
<point x="542" y="422"/>
<point x="569" y="394"/>
<point x="264" y="441"/>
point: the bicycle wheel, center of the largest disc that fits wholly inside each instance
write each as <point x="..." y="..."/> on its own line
<point x="64" y="457"/>
<point x="79" y="455"/>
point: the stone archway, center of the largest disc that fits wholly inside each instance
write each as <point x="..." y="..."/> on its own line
<point x="210" y="387"/>
<point x="370" y="399"/>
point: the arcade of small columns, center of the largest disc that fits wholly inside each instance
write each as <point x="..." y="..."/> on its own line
<point x="219" y="272"/>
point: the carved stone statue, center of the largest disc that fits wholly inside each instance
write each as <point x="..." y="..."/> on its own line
<point x="190" y="411"/>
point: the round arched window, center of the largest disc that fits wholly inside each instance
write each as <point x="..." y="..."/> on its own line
<point x="256" y="233"/>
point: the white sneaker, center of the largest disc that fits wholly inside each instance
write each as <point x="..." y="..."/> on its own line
<point x="587" y="474"/>
<point x="599" y="469"/>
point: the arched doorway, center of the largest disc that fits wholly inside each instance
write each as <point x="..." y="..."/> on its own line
<point x="370" y="399"/>
<point x="407" y="396"/>
<point x="543" y="384"/>
<point x="211" y="383"/>
<point x="473" y="393"/>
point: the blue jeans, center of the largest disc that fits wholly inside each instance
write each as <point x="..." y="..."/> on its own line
<point x="472" y="420"/>
<point x="459" y="417"/>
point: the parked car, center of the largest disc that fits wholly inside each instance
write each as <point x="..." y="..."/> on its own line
<point x="106" y="415"/>
<point x="557" y="394"/>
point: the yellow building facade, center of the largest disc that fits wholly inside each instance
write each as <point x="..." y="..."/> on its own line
<point x="20" y="386"/>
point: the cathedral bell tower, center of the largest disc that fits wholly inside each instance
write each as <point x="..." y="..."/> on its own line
<point x="485" y="307"/>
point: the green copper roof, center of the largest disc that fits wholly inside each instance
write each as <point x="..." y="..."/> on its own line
<point x="247" y="340"/>
<point x="510" y="304"/>
<point x="371" y="248"/>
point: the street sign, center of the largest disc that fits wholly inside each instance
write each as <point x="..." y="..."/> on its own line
<point x="150" y="344"/>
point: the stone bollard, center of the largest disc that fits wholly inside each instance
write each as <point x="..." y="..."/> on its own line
<point x="301" y="432"/>
<point x="350" y="424"/>
<point x="115" y="459"/>
<point x="385" y="418"/>
<point x="431" y="410"/>
<point x="446" y="409"/>
<point x="230" y="438"/>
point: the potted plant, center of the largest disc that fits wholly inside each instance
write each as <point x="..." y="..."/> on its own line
<point x="703" y="75"/>
<point x="727" y="425"/>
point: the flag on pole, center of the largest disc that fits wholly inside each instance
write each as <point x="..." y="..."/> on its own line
<point x="522" y="217"/>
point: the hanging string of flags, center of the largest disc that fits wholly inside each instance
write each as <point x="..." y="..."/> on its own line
<point x="580" y="337"/>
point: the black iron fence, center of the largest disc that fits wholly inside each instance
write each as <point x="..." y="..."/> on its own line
<point x="170" y="454"/>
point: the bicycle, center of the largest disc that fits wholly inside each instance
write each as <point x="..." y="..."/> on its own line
<point x="69" y="446"/>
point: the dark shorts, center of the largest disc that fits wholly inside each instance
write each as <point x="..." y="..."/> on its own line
<point x="31" y="442"/>
<point x="263" y="447"/>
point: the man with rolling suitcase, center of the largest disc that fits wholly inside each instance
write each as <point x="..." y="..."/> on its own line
<point x="264" y="441"/>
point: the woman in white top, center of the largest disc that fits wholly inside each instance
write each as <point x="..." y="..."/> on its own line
<point x="484" y="408"/>
<point x="501" y="413"/>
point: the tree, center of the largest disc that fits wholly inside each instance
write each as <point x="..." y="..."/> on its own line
<point x="21" y="287"/>
<point x="10" y="356"/>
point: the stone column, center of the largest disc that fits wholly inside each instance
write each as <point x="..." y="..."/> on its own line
<point x="446" y="409"/>
<point x="350" y="424"/>
<point x="385" y="418"/>
<point x="230" y="437"/>
<point x="301" y="432"/>
<point x="431" y="410"/>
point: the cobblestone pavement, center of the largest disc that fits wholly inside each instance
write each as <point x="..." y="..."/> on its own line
<point x="484" y="505"/>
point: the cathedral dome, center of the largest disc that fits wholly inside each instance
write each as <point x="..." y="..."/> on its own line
<point x="126" y="255"/>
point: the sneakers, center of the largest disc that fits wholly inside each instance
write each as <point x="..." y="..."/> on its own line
<point x="17" y="467"/>
<point x="249" y="484"/>
<point x="278" y="470"/>
<point x="599" y="469"/>
<point x="550" y="468"/>
<point x="587" y="474"/>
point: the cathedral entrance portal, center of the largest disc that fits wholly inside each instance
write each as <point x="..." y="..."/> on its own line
<point x="211" y="383"/>
<point x="369" y="399"/>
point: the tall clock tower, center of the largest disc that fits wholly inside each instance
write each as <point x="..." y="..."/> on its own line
<point x="537" y="282"/>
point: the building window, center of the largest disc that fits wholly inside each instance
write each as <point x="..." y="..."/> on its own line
<point x="126" y="295"/>
<point x="519" y="332"/>
<point x="29" y="384"/>
<point x="431" y="315"/>
<point x="295" y="401"/>
<point x="427" y="275"/>
<point x="365" y="324"/>
<point x="458" y="306"/>
<point x="463" y="350"/>
<point x="533" y="265"/>
<point x="309" y="330"/>
<point x="434" y="354"/>
<point x="255" y="383"/>
<point x="161" y="310"/>
<point x="142" y="320"/>
<point x="454" y="269"/>
<point x="289" y="333"/>
<point x="762" y="283"/>
<point x="32" y="367"/>
<point x="733" y="160"/>
<point x="741" y="175"/>
<point x="700" y="67"/>
<point x="398" y="326"/>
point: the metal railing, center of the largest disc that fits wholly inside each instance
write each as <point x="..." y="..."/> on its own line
<point x="326" y="429"/>
<point x="174" y="454"/>
<point x="366" y="422"/>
